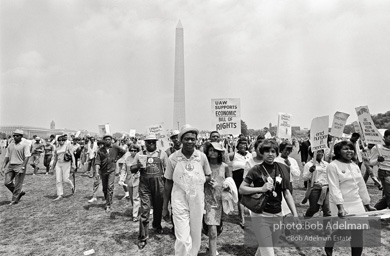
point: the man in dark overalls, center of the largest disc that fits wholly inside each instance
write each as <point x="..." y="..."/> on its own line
<point x="151" y="163"/>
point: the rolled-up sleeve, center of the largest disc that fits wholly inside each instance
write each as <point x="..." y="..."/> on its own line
<point x="334" y="184"/>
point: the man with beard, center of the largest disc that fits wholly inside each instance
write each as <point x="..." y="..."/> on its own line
<point x="17" y="155"/>
<point x="151" y="164"/>
<point x="105" y="167"/>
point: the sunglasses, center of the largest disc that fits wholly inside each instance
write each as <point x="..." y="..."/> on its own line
<point x="61" y="140"/>
<point x="17" y="135"/>
<point x="133" y="150"/>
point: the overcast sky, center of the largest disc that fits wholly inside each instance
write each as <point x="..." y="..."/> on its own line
<point x="85" y="63"/>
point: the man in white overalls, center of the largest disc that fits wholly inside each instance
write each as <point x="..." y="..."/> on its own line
<point x="187" y="171"/>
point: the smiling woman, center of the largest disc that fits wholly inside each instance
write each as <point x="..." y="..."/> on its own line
<point x="347" y="193"/>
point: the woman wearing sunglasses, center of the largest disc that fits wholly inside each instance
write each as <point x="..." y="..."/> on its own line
<point x="63" y="167"/>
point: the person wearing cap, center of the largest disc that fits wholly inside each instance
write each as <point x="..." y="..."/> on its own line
<point x="37" y="148"/>
<point x="187" y="172"/>
<point x="212" y="219"/>
<point x="215" y="137"/>
<point x="151" y="164"/>
<point x="63" y="167"/>
<point x="241" y="162"/>
<point x="16" y="157"/>
<point x="176" y="143"/>
<point x="105" y="166"/>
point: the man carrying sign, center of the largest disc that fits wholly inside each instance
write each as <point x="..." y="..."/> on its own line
<point x="381" y="156"/>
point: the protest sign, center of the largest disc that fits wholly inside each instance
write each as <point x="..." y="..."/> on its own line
<point x="78" y="134"/>
<point x="226" y="115"/>
<point x="161" y="135"/>
<point x="339" y="121"/>
<point x="284" y="125"/>
<point x="371" y="133"/>
<point x="132" y="133"/>
<point x="319" y="130"/>
<point x="104" y="129"/>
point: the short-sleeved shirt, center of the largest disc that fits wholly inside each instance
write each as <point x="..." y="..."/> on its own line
<point x="255" y="175"/>
<point x="17" y="153"/>
<point x="173" y="159"/>
<point x="106" y="157"/>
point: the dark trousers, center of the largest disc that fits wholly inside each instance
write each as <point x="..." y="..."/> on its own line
<point x="108" y="179"/>
<point x="356" y="241"/>
<point x="14" y="180"/>
<point x="314" y="207"/>
<point x="151" y="190"/>
<point x="384" y="202"/>
<point x="238" y="177"/>
<point x="46" y="162"/>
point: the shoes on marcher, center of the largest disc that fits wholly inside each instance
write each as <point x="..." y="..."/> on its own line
<point x="73" y="190"/>
<point x="20" y="196"/>
<point x="380" y="187"/>
<point x="135" y="219"/>
<point x="159" y="231"/>
<point x="108" y="209"/>
<point x="13" y="203"/>
<point x="58" y="198"/>
<point x="93" y="199"/>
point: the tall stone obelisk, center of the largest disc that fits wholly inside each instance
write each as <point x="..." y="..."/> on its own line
<point x="179" y="107"/>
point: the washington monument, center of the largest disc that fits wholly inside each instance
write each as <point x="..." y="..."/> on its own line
<point x="179" y="107"/>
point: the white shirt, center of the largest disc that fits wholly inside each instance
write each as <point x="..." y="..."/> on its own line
<point x="295" y="172"/>
<point x="319" y="174"/>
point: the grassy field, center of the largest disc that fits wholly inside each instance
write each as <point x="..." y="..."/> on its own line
<point x="39" y="226"/>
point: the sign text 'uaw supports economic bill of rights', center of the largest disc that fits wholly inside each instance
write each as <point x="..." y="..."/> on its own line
<point x="226" y="115"/>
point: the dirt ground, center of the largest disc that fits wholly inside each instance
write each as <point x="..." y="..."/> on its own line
<point x="39" y="226"/>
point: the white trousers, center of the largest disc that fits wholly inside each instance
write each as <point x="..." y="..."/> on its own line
<point x="187" y="216"/>
<point x="62" y="176"/>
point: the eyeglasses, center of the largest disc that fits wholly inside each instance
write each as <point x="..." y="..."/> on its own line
<point x="151" y="142"/>
<point x="61" y="140"/>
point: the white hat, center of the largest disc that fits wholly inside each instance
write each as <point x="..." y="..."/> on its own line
<point x="186" y="129"/>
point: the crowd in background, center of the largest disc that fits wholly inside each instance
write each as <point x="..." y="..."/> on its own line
<point x="198" y="180"/>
